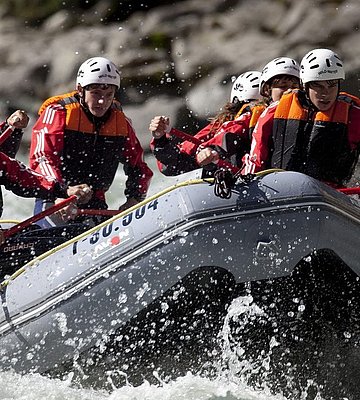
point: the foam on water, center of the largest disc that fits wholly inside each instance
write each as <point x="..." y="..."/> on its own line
<point x="227" y="384"/>
<point x="189" y="387"/>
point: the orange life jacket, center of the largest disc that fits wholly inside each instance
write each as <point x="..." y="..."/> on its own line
<point x="314" y="142"/>
<point x="256" y="110"/>
<point x="77" y="120"/>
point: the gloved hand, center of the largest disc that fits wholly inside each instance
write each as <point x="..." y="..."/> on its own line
<point x="159" y="126"/>
<point x="19" y="119"/>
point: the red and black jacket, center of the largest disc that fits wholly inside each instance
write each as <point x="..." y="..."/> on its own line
<point x="24" y="182"/>
<point x="231" y="139"/>
<point x="9" y="147"/>
<point x="74" y="147"/>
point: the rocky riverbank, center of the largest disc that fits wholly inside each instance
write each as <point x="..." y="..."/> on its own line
<point x="175" y="59"/>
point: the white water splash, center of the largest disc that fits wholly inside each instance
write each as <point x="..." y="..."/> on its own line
<point x="189" y="387"/>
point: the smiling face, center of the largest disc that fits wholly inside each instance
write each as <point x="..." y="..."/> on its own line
<point x="98" y="98"/>
<point x="323" y="94"/>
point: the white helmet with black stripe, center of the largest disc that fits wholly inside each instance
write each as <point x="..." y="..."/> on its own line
<point x="321" y="65"/>
<point x="246" y="87"/>
<point x="98" y="70"/>
<point x="278" y="66"/>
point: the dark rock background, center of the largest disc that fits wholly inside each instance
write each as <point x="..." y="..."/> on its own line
<point x="176" y="57"/>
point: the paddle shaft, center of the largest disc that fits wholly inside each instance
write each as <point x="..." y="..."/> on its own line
<point x="350" y="190"/>
<point x="105" y="213"/>
<point x="24" y="224"/>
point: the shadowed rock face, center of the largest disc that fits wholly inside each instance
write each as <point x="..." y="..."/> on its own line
<point x="181" y="54"/>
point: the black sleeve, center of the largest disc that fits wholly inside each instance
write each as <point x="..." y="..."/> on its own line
<point x="173" y="161"/>
<point x="60" y="191"/>
<point x="12" y="144"/>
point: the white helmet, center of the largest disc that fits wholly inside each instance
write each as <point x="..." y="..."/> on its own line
<point x="321" y="65"/>
<point x="278" y="66"/>
<point x="98" y="70"/>
<point x="246" y="87"/>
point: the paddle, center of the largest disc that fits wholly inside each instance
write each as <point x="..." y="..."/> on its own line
<point x="110" y="213"/>
<point x="350" y="190"/>
<point x="24" y="224"/>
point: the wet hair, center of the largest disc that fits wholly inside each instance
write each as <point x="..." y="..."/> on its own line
<point x="277" y="78"/>
<point x="228" y="113"/>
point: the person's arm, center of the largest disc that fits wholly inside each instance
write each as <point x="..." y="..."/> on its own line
<point x="47" y="142"/>
<point x="175" y="157"/>
<point x="18" y="120"/>
<point x="354" y="128"/>
<point x="231" y="139"/>
<point x="202" y="136"/>
<point x="138" y="173"/>
<point x="171" y="160"/>
<point x="260" y="152"/>
<point x="26" y="182"/>
<point x="165" y="146"/>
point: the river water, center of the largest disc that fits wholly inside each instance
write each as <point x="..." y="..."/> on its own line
<point x="188" y="387"/>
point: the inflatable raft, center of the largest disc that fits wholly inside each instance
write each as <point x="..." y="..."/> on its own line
<point x="166" y="270"/>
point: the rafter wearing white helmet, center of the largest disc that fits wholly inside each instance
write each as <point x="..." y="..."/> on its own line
<point x="98" y="70"/>
<point x="321" y="65"/>
<point x="278" y="66"/>
<point x="246" y="87"/>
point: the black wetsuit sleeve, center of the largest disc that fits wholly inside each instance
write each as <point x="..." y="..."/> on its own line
<point x="171" y="160"/>
<point x="12" y="144"/>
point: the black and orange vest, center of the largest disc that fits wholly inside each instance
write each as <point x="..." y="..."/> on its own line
<point x="256" y="110"/>
<point x="93" y="147"/>
<point x="313" y="142"/>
